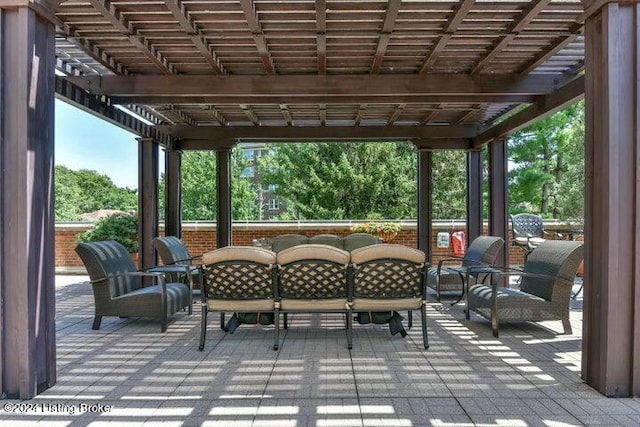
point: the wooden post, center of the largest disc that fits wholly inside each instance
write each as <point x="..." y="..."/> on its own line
<point x="498" y="196"/>
<point x="173" y="194"/>
<point x="223" y="219"/>
<point x="27" y="273"/>
<point x="611" y="342"/>
<point x="148" y="151"/>
<point x="425" y="190"/>
<point x="474" y="195"/>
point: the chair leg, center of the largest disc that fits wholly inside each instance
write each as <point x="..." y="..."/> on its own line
<point x="96" y="323"/>
<point x="349" y="329"/>
<point x="425" y="338"/>
<point x="163" y="325"/>
<point x="410" y="321"/>
<point x="203" y="328"/>
<point x="567" y="326"/>
<point x="285" y="321"/>
<point x="276" y="321"/>
<point x="222" y="322"/>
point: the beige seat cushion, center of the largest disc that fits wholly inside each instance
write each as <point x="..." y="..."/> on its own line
<point x="321" y="252"/>
<point x="334" y="304"/>
<point x="384" y="250"/>
<point x="377" y="304"/>
<point x="244" y="305"/>
<point x="240" y="253"/>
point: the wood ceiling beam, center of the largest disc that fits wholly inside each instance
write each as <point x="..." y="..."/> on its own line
<point x="248" y="111"/>
<point x="258" y="36"/>
<point x="450" y="27"/>
<point x="294" y="87"/>
<point x="323" y="114"/>
<point x="527" y="15"/>
<point x="321" y="35"/>
<point x="217" y="115"/>
<point x="393" y="8"/>
<point x="325" y="99"/>
<point x="465" y="115"/>
<point x="360" y="115"/>
<point x="112" y="15"/>
<point x="559" y="44"/>
<point x="396" y="114"/>
<point x="178" y="11"/>
<point x="286" y="114"/>
<point x="201" y="137"/>
<point x="547" y="105"/>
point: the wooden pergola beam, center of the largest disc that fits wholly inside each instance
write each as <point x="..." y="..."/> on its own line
<point x="295" y="87"/>
<point x="321" y="36"/>
<point x="385" y="35"/>
<point x="258" y="36"/>
<point x="549" y="104"/>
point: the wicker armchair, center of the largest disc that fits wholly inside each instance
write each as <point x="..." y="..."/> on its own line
<point x="389" y="277"/>
<point x="528" y="231"/>
<point x="118" y="290"/>
<point x="173" y="252"/>
<point x="237" y="279"/>
<point x="482" y="251"/>
<point x="544" y="290"/>
<point x="313" y="278"/>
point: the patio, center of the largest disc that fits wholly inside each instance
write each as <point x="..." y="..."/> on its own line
<point x="129" y="374"/>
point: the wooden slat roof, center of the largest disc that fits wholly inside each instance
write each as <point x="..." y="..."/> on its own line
<point x="226" y="39"/>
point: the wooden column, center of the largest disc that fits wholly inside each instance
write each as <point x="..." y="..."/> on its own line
<point x="425" y="190"/>
<point x="27" y="274"/>
<point x="474" y="195"/>
<point x="611" y="329"/>
<point x="498" y="196"/>
<point x="223" y="219"/>
<point x="173" y="193"/>
<point x="148" y="151"/>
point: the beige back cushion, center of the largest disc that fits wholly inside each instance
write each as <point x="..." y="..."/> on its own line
<point x="385" y="250"/>
<point x="323" y="252"/>
<point x="240" y="253"/>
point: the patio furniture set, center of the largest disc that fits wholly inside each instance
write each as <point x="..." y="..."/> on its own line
<point x="355" y="275"/>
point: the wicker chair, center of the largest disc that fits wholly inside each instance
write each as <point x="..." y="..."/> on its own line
<point x="118" y="290"/>
<point x="173" y="252"/>
<point x="313" y="278"/>
<point x="482" y="251"/>
<point x="389" y="277"/>
<point x="238" y="279"/>
<point x="528" y="231"/>
<point x="544" y="289"/>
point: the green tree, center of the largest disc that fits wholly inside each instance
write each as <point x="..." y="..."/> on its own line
<point x="547" y="173"/>
<point x="199" y="200"/>
<point x="449" y="177"/>
<point x="83" y="191"/>
<point x="344" y="181"/>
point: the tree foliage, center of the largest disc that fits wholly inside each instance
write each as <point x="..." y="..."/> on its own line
<point x="344" y="181"/>
<point x="83" y="191"/>
<point x="449" y="178"/>
<point x="123" y="228"/>
<point x="199" y="183"/>
<point x="547" y="173"/>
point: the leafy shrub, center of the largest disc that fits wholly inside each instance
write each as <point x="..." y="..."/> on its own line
<point x="123" y="228"/>
<point x="376" y="227"/>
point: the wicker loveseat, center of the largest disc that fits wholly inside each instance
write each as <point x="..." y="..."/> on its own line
<point x="347" y="243"/>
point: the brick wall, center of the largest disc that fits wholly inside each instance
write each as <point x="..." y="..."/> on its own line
<point x="201" y="237"/>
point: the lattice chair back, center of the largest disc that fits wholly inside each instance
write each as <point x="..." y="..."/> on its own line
<point x="558" y="262"/>
<point x="286" y="241"/>
<point x="313" y="272"/>
<point x="387" y="271"/>
<point x="527" y="225"/>
<point x="482" y="250"/>
<point x="109" y="259"/>
<point x="239" y="273"/>
<point x="172" y="250"/>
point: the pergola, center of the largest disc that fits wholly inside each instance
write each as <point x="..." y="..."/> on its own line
<point x="447" y="74"/>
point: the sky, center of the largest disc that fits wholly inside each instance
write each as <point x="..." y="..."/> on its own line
<point x="83" y="141"/>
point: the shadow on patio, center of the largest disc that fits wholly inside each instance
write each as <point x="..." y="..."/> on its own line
<point x="129" y="374"/>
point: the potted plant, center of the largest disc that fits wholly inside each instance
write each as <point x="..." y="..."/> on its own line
<point x="122" y="228"/>
<point x="387" y="231"/>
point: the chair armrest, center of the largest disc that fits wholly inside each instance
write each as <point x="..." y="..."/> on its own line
<point x="450" y="259"/>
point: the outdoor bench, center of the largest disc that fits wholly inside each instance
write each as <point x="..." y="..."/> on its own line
<point x="313" y="278"/>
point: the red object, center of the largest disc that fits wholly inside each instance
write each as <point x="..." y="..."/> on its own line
<point x="459" y="241"/>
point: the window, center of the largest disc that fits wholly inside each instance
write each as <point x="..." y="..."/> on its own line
<point x="249" y="154"/>
<point x="274" y="204"/>
<point x="248" y="172"/>
<point x="273" y="187"/>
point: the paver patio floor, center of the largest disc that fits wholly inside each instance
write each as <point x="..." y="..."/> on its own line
<point x="130" y="374"/>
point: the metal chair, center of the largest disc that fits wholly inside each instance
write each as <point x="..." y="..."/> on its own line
<point x="527" y="231"/>
<point x="174" y="253"/>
